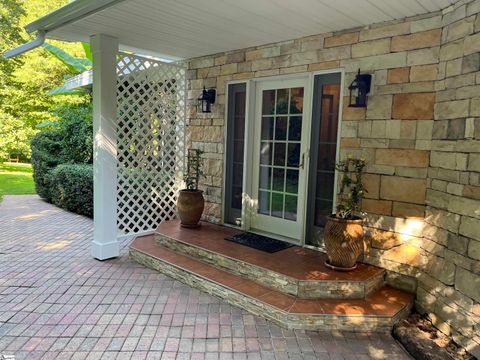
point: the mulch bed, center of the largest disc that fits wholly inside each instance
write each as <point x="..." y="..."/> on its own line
<point x="424" y="342"/>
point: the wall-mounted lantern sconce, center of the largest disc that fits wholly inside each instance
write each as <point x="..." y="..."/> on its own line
<point x="359" y="89"/>
<point x="206" y="100"/>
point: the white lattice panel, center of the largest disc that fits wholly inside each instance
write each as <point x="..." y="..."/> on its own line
<point x="151" y="141"/>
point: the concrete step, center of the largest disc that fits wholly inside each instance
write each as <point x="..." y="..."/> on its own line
<point x="296" y="271"/>
<point x="379" y="311"/>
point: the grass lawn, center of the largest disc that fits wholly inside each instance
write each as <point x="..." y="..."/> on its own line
<point x="16" y="179"/>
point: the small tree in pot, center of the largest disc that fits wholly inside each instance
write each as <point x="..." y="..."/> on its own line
<point x="343" y="233"/>
<point x="190" y="203"/>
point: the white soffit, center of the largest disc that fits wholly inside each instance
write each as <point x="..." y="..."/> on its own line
<point x="178" y="29"/>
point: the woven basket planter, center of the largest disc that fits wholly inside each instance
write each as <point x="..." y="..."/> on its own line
<point x="343" y="240"/>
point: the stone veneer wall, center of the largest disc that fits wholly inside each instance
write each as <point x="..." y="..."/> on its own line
<point x="450" y="291"/>
<point x="419" y="134"/>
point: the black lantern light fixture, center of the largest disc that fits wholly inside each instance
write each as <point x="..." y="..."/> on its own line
<point x="359" y="89"/>
<point x="206" y="100"/>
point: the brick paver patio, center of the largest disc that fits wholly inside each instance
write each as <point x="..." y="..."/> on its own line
<point x="56" y="302"/>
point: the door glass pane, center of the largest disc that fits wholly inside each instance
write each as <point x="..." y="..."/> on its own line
<point x="268" y="102"/>
<point x="323" y="208"/>
<point x="236" y="201"/>
<point x="293" y="155"/>
<point x="291" y="207"/>
<point x="267" y="128"/>
<point x="266" y="153"/>
<point x="292" y="181"/>
<point x="238" y="151"/>
<point x="326" y="156"/>
<point x="235" y="152"/>
<point x="326" y="99"/>
<point x="281" y="128"/>
<point x="327" y="147"/>
<point x="278" y="179"/>
<point x="324" y="185"/>
<point x="277" y="205"/>
<point x="264" y="202"/>
<point x="265" y="177"/>
<point x="280" y="152"/>
<point x="295" y="128"/>
<point x="279" y="158"/>
<point x="296" y="101"/>
<point x="282" y="101"/>
<point x="237" y="174"/>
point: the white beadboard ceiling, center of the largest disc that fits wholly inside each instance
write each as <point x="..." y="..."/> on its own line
<point x="189" y="28"/>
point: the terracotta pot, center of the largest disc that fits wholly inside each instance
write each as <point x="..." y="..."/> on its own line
<point x="190" y="205"/>
<point x="343" y="240"/>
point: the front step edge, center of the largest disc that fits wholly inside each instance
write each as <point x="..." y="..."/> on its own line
<point x="302" y="321"/>
<point x="322" y="289"/>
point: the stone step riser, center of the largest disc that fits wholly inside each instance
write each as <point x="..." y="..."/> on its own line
<point x="303" y="289"/>
<point x="313" y="322"/>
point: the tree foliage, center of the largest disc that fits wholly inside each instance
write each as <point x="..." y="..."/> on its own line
<point x="10" y="36"/>
<point x="14" y="137"/>
<point x="26" y="79"/>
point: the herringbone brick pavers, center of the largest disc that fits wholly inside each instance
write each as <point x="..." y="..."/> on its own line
<point x="57" y="302"/>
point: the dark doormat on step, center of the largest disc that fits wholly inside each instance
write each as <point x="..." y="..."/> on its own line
<point x="259" y="242"/>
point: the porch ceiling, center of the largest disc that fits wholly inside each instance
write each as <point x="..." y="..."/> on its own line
<point x="185" y="29"/>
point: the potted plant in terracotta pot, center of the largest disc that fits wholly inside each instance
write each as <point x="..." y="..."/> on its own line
<point x="190" y="202"/>
<point x="343" y="232"/>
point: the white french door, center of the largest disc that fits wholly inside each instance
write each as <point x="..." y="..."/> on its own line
<point x="281" y="140"/>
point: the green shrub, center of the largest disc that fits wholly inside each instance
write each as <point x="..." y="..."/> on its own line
<point x="62" y="158"/>
<point x="76" y="129"/>
<point x="71" y="187"/>
<point x="46" y="155"/>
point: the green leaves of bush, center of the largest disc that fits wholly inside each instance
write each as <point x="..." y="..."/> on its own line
<point x="76" y="130"/>
<point x="62" y="160"/>
<point x="71" y="188"/>
<point x="46" y="149"/>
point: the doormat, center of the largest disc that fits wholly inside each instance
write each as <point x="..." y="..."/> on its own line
<point x="259" y="242"/>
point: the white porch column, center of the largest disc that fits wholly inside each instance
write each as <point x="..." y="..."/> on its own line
<point x="104" y="49"/>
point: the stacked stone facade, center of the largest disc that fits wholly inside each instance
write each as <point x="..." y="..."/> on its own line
<point x="420" y="135"/>
<point x="452" y="290"/>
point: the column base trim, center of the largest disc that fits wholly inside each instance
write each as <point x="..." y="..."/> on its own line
<point x="104" y="251"/>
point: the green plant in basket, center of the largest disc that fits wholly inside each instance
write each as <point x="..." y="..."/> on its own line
<point x="194" y="169"/>
<point x="352" y="190"/>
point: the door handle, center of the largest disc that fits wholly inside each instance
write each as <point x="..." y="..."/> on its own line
<point x="302" y="161"/>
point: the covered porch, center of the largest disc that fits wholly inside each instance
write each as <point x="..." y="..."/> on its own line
<point x="145" y="114"/>
<point x="418" y="133"/>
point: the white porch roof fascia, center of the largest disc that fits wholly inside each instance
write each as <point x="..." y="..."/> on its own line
<point x="181" y="29"/>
